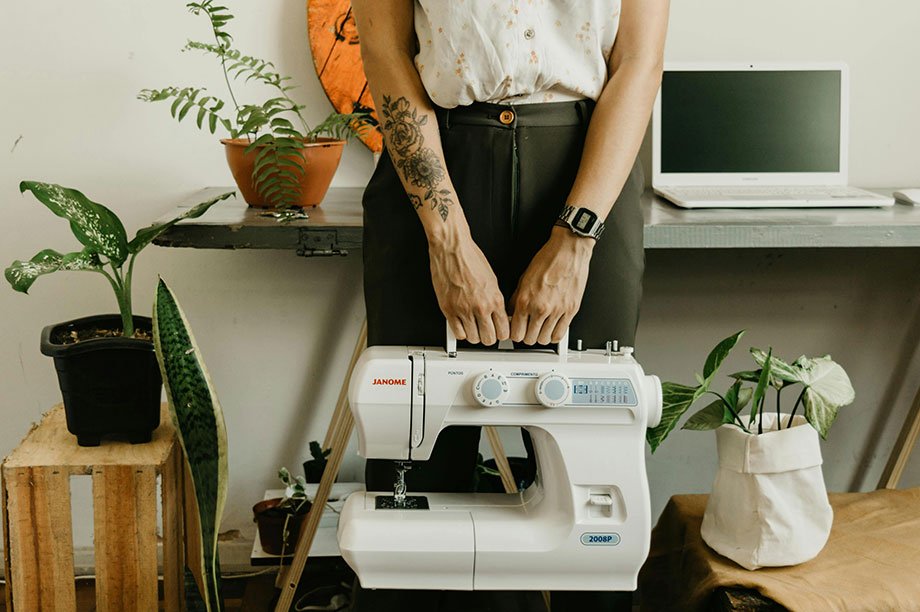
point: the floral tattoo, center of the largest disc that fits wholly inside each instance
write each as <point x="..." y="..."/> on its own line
<point x="420" y="165"/>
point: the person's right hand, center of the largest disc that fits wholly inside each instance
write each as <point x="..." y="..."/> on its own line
<point x="467" y="291"/>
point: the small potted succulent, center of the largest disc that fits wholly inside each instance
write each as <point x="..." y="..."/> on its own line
<point x="769" y="504"/>
<point x="280" y="518"/>
<point x="106" y="366"/>
<point x="276" y="159"/>
<point x="313" y="468"/>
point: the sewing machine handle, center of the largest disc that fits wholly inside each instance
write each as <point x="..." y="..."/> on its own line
<point x="562" y="349"/>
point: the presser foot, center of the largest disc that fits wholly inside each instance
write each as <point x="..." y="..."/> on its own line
<point x="408" y="502"/>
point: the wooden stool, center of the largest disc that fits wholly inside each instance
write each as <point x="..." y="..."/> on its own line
<point x="37" y="526"/>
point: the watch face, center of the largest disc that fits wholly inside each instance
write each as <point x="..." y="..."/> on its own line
<point x="584" y="220"/>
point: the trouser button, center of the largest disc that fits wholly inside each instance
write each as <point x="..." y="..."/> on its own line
<point x="506" y="117"/>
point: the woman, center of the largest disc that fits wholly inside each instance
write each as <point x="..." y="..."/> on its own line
<point x="512" y="130"/>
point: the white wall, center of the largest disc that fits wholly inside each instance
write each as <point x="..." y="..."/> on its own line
<point x="277" y="330"/>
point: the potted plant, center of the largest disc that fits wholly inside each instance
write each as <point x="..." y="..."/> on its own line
<point x="313" y="468"/>
<point x="279" y="518"/>
<point x="106" y="365"/>
<point x="769" y="504"/>
<point x="276" y="159"/>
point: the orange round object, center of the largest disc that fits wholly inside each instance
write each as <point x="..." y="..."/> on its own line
<point x="337" y="57"/>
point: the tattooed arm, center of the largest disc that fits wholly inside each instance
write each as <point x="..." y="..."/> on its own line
<point x="465" y="284"/>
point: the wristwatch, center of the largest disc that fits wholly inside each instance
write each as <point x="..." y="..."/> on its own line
<point x="582" y="221"/>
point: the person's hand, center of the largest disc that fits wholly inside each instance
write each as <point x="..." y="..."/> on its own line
<point x="549" y="292"/>
<point x="467" y="291"/>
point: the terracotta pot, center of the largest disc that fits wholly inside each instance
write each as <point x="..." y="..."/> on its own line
<point x="271" y="520"/>
<point x="320" y="161"/>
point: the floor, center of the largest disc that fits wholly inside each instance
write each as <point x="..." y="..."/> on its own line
<point x="323" y="579"/>
<point x="253" y="594"/>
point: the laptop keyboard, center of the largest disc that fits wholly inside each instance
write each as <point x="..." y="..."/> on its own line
<point x="761" y="191"/>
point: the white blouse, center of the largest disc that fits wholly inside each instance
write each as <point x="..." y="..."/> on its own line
<point x="514" y="51"/>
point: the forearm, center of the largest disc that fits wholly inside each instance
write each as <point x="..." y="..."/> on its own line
<point x="621" y="115"/>
<point x="410" y="132"/>
<point x="615" y="133"/>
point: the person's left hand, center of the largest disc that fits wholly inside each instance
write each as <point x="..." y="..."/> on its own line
<point x="549" y="292"/>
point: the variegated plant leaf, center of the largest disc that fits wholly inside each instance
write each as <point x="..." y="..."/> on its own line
<point x="828" y="388"/>
<point x="718" y="355"/>
<point x="761" y="389"/>
<point x="199" y="421"/>
<point x="710" y="417"/>
<point x="21" y="274"/>
<point x="676" y="400"/>
<point x="94" y="225"/>
<point x="780" y="371"/>
<point x="147" y="235"/>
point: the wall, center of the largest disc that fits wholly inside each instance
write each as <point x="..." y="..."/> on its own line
<point x="277" y="331"/>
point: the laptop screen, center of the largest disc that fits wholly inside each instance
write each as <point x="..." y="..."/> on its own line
<point x="750" y="121"/>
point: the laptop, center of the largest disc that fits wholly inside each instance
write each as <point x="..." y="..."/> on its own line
<point x="754" y="136"/>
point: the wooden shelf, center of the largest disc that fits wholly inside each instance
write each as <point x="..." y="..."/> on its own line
<point x="335" y="227"/>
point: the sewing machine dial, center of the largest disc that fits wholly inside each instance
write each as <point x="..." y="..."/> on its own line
<point x="490" y="388"/>
<point x="553" y="389"/>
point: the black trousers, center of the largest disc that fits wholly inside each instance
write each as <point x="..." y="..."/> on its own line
<point x="512" y="180"/>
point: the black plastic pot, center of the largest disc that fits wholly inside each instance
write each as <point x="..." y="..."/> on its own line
<point x="111" y="386"/>
<point x="313" y="470"/>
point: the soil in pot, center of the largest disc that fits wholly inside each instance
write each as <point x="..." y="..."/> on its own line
<point x="319" y="163"/>
<point x="110" y="384"/>
<point x="271" y="521"/>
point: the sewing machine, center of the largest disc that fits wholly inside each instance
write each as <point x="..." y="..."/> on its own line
<point x="585" y="522"/>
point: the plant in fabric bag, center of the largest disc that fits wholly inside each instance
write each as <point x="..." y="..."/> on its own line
<point x="768" y="505"/>
<point x="825" y="389"/>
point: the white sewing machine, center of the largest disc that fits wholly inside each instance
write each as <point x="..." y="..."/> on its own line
<point x="584" y="524"/>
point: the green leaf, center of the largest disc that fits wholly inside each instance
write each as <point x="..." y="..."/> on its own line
<point x="780" y="371"/>
<point x="747" y="375"/>
<point x="199" y="422"/>
<point x="719" y="353"/>
<point x="710" y="417"/>
<point x="21" y="274"/>
<point x="148" y="234"/>
<point x="761" y="387"/>
<point x="676" y="400"/>
<point x="93" y="224"/>
<point x="828" y="388"/>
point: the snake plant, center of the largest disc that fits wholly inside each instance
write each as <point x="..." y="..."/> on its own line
<point x="106" y="248"/>
<point x="276" y="129"/>
<point x="199" y="422"/>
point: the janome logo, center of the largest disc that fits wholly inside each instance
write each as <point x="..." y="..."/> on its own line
<point x="389" y="381"/>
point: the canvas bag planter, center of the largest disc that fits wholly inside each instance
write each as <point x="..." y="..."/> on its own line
<point x="769" y="504"/>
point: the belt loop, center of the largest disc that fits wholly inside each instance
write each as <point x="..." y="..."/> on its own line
<point x="447" y="119"/>
<point x="581" y="108"/>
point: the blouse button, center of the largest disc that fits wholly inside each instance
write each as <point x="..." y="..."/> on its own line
<point x="528" y="33"/>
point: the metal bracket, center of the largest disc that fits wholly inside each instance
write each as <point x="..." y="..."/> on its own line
<point x="319" y="243"/>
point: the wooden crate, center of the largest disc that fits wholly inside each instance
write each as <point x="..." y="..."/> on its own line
<point x="37" y="525"/>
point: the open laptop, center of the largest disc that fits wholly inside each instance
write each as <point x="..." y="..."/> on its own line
<point x="754" y="136"/>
